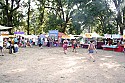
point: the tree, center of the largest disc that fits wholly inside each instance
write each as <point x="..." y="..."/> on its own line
<point x="119" y="4"/>
<point x="9" y="8"/>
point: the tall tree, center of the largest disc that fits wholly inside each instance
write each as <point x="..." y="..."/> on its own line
<point x="28" y="20"/>
<point x="120" y="10"/>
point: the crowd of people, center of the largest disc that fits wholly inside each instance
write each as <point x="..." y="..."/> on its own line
<point x="91" y="48"/>
<point x="14" y="43"/>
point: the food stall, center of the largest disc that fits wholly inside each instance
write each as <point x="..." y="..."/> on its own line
<point x="113" y="42"/>
<point x="92" y="36"/>
<point x="4" y="31"/>
<point x="68" y="37"/>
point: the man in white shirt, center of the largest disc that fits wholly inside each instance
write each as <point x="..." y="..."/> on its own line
<point x="1" y="44"/>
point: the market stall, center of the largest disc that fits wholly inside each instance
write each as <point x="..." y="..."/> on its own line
<point x="92" y="36"/>
<point x="113" y="42"/>
<point x="4" y="31"/>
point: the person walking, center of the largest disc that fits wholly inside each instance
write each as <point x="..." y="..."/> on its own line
<point x="91" y="49"/>
<point x="65" y="46"/>
<point x="74" y="46"/>
<point x="48" y="42"/>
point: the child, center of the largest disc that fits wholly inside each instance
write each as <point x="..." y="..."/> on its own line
<point x="91" y="49"/>
<point x="65" y="42"/>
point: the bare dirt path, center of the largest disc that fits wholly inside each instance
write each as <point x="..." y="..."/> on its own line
<point x="51" y="65"/>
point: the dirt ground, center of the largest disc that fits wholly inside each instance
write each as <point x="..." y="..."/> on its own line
<point x="51" y="65"/>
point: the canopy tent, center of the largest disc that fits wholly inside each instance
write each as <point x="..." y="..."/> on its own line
<point x="30" y="36"/>
<point x="112" y="36"/>
<point x="65" y="36"/>
<point x="96" y="35"/>
<point x="60" y="34"/>
<point x="4" y="28"/>
<point x="91" y="35"/>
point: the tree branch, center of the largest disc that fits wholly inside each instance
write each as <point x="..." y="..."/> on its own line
<point x="18" y="5"/>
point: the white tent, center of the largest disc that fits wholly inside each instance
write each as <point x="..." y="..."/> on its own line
<point x="112" y="36"/>
<point x="91" y="35"/>
<point x="96" y="35"/>
<point x="4" y="28"/>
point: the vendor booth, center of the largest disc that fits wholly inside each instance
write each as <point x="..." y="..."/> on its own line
<point x="113" y="42"/>
<point x="4" y="31"/>
<point x="92" y="36"/>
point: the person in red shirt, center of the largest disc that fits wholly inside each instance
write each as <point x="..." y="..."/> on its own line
<point x="65" y="46"/>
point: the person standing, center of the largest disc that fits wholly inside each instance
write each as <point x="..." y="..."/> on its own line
<point x="39" y="41"/>
<point x="65" y="46"/>
<point x="74" y="46"/>
<point x="91" y="49"/>
<point x="48" y="42"/>
<point x="1" y="45"/>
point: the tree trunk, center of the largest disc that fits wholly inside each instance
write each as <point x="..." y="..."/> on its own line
<point x="7" y="16"/>
<point x="28" y="18"/>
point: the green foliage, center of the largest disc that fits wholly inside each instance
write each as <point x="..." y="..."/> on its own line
<point x="53" y="23"/>
<point x="67" y="16"/>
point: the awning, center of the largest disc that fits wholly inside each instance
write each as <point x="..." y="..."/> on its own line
<point x="4" y="28"/>
<point x="91" y="35"/>
<point x="60" y="34"/>
<point x="112" y="36"/>
<point x="65" y="36"/>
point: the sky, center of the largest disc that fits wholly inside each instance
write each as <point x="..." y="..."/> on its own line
<point x="112" y="6"/>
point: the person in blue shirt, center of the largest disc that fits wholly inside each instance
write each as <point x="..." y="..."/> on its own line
<point x="15" y="40"/>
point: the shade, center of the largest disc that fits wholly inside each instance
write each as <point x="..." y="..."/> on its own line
<point x="91" y="35"/>
<point x="112" y="36"/>
<point x="65" y="36"/>
<point x="96" y="35"/>
<point x="4" y="28"/>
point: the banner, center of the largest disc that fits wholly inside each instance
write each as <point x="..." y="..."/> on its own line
<point x="53" y="34"/>
<point x="18" y="32"/>
<point x="88" y="35"/>
<point x="124" y="36"/>
<point x="4" y="32"/>
<point x="65" y="36"/>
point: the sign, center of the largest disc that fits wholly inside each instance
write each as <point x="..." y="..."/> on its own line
<point x="88" y="35"/>
<point x="18" y="32"/>
<point x="112" y="36"/>
<point x="65" y="36"/>
<point x="116" y="36"/>
<point x="53" y="34"/>
<point x="4" y="32"/>
<point x="107" y="35"/>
